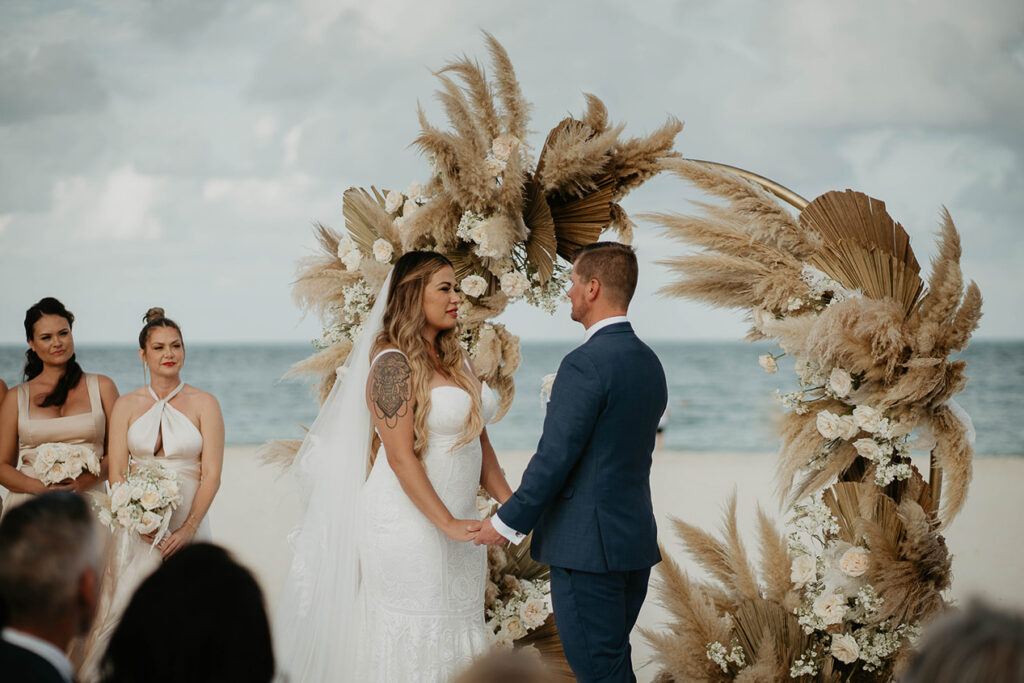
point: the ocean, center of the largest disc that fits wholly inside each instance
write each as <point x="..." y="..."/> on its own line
<point x="719" y="398"/>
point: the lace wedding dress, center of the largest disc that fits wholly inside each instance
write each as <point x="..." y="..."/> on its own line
<point x="374" y="591"/>
<point x="422" y="593"/>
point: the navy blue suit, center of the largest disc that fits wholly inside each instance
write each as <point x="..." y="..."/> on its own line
<point x="586" y="495"/>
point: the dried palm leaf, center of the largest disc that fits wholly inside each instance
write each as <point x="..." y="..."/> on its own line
<point x="366" y="218"/>
<point x="581" y="220"/>
<point x="541" y="244"/>
<point x="760" y="625"/>
<point x="547" y="641"/>
<point x="864" y="247"/>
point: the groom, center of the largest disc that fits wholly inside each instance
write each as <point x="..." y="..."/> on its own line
<point x="586" y="492"/>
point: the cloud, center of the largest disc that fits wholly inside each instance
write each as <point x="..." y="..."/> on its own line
<point x="122" y="207"/>
<point x="48" y="80"/>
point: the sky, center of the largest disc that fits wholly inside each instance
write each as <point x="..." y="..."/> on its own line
<point x="178" y="152"/>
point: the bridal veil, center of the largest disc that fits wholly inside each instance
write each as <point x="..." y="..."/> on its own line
<point x="317" y="616"/>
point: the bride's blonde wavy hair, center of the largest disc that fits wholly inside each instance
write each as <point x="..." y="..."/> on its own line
<point x="402" y="329"/>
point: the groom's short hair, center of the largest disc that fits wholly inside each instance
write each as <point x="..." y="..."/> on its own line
<point x="613" y="265"/>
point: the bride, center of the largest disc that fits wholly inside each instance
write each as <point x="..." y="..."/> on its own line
<point x="385" y="583"/>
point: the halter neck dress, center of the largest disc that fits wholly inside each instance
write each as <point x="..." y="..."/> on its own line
<point x="131" y="559"/>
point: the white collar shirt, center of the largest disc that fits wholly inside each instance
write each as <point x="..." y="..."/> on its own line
<point x="48" y="651"/>
<point x="601" y="324"/>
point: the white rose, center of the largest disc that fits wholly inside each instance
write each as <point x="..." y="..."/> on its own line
<point x="169" y="488"/>
<point x="409" y="208"/>
<point x="804" y="570"/>
<point x="867" y="448"/>
<point x="495" y="167"/>
<point x="533" y="613"/>
<point x="352" y="259"/>
<point x="91" y="461"/>
<point x="150" y="500"/>
<point x="59" y="472"/>
<point x="150" y="522"/>
<point x="478" y="234"/>
<point x="840" y="382"/>
<point x="124" y="517"/>
<point x="849" y="427"/>
<point x="474" y="286"/>
<point x="768" y="363"/>
<point x="393" y="201"/>
<point x="383" y="251"/>
<point x="867" y="418"/>
<point x="829" y="425"/>
<point x="830" y="607"/>
<point x="345" y="246"/>
<point x="514" y="284"/>
<point x="514" y="628"/>
<point x="504" y="145"/>
<point x="844" y="648"/>
<point x="415" y="191"/>
<point x="137" y="492"/>
<point x="500" y="640"/>
<point x="120" y="496"/>
<point x="854" y="561"/>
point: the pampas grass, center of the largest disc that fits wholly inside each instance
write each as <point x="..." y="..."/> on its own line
<point x="888" y="336"/>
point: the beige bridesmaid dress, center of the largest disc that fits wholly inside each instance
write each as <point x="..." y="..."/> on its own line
<point x="131" y="559"/>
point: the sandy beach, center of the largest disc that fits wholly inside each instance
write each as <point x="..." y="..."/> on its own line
<point x="258" y="506"/>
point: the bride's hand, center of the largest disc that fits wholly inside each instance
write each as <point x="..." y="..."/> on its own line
<point x="462" y="530"/>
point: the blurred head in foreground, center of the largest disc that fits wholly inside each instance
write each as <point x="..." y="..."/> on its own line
<point x="48" y="567"/>
<point x="974" y="645"/>
<point x="507" y="666"/>
<point x="199" y="617"/>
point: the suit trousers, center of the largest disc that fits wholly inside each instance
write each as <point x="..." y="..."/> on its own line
<point x="595" y="613"/>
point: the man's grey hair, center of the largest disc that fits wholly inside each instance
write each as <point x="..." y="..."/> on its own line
<point x="46" y="544"/>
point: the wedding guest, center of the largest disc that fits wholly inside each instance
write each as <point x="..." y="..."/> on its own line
<point x="171" y="426"/>
<point x="48" y="584"/>
<point x="199" y="617"/>
<point x="976" y="645"/>
<point x="53" y="405"/>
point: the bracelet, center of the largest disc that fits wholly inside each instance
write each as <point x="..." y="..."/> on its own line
<point x="194" y="527"/>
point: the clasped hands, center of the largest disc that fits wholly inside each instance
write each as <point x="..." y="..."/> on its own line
<point x="480" y="532"/>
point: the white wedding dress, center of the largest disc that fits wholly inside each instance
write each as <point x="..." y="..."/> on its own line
<point x="422" y="594"/>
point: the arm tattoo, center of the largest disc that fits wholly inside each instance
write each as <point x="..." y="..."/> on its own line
<point x="390" y="389"/>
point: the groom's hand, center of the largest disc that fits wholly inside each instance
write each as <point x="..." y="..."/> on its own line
<point x="488" y="535"/>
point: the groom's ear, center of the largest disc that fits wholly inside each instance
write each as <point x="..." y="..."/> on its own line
<point x="593" y="289"/>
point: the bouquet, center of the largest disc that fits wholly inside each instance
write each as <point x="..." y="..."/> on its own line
<point x="514" y="606"/>
<point x="57" y="462"/>
<point x="143" y="502"/>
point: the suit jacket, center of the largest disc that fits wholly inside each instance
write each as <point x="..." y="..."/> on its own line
<point x="18" y="664"/>
<point x="586" y="493"/>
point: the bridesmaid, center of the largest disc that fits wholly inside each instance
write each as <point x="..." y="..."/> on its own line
<point x="52" y="405"/>
<point x="178" y="427"/>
